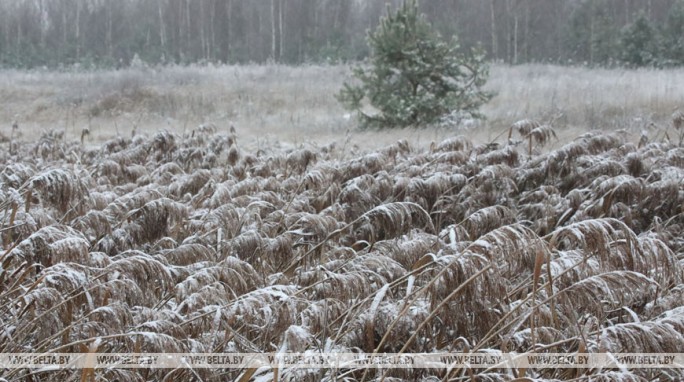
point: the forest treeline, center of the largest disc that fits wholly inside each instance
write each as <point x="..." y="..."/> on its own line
<point x="111" y="33"/>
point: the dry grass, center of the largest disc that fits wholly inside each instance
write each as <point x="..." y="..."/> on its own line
<point x="277" y="105"/>
<point x="581" y="97"/>
<point x="195" y="243"/>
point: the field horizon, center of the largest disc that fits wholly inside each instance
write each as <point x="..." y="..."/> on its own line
<point x="294" y="106"/>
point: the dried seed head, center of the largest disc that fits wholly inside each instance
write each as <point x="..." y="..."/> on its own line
<point x="84" y="133"/>
<point x="524" y="127"/>
<point x="678" y="119"/>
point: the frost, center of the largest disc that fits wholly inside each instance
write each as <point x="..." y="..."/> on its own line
<point x="378" y="298"/>
<point x="308" y="249"/>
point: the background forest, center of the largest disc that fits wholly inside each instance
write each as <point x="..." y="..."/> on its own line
<point x="110" y="33"/>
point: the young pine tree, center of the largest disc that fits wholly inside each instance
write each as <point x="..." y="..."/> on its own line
<point x="673" y="35"/>
<point x="640" y="43"/>
<point x="415" y="78"/>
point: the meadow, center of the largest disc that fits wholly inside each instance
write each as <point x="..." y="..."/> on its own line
<point x="280" y="105"/>
<point x="246" y="231"/>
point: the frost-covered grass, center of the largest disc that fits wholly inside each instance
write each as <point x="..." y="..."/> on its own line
<point x="167" y="243"/>
<point x="272" y="104"/>
<point x="583" y="98"/>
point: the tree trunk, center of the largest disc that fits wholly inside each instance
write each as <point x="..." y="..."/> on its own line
<point x="43" y="25"/>
<point x="509" y="31"/>
<point x="202" y="22"/>
<point x="188" y="27"/>
<point x="591" y="36"/>
<point x="280" y="27"/>
<point x="495" y="50"/>
<point x="515" y="37"/>
<point x="162" y="29"/>
<point x="109" y="43"/>
<point x="212" y="30"/>
<point x="273" y="32"/>
<point x="228" y="36"/>
<point x="78" y="30"/>
<point x="627" y="12"/>
<point x="19" y="33"/>
<point x="526" y="50"/>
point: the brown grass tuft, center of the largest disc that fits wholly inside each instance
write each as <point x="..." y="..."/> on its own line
<point x="187" y="243"/>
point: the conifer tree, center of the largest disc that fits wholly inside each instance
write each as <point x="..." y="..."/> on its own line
<point x="673" y="35"/>
<point x="414" y="77"/>
<point x="640" y="43"/>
